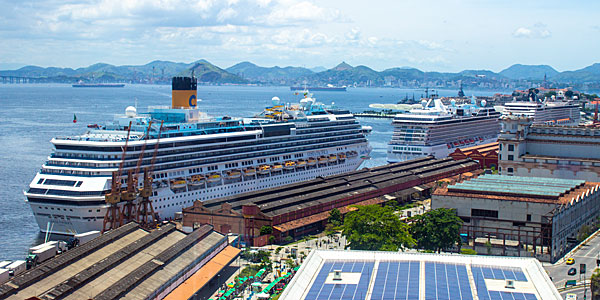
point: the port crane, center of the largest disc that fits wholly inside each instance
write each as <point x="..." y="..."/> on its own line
<point x="113" y="218"/>
<point x="146" y="216"/>
<point x="129" y="211"/>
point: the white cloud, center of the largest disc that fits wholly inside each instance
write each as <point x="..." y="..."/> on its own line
<point x="537" y="31"/>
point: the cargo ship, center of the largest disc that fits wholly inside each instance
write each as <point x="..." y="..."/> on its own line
<point x="198" y="157"/>
<point x="319" y="88"/>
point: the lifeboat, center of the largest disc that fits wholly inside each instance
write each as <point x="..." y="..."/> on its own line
<point x="233" y="174"/>
<point x="289" y="165"/>
<point x="456" y="144"/>
<point x="178" y="183"/>
<point x="342" y="156"/>
<point x="277" y="167"/>
<point x="352" y="153"/>
<point x="312" y="161"/>
<point x="332" y="158"/>
<point x="197" y="180"/>
<point x="323" y="160"/>
<point x="214" y="177"/>
<point x="301" y="164"/>
<point x="264" y="169"/>
<point x="249" y="171"/>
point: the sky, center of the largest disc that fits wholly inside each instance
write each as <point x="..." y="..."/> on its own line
<point x="432" y="35"/>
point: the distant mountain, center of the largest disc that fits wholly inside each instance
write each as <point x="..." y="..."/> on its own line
<point x="252" y="72"/>
<point x="156" y="71"/>
<point x="345" y="74"/>
<point x="403" y="73"/>
<point x="318" y="69"/>
<point x="209" y="73"/>
<point x="587" y="74"/>
<point x="532" y="72"/>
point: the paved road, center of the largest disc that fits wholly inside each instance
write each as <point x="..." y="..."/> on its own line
<point x="587" y="254"/>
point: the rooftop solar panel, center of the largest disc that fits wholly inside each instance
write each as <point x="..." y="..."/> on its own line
<point x="480" y="273"/>
<point x="326" y="291"/>
<point x="398" y="280"/>
<point x="447" y="282"/>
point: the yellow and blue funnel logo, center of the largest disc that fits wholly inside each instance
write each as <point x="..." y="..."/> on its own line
<point x="184" y="99"/>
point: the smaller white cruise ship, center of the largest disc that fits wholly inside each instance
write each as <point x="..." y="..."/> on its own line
<point x="436" y="129"/>
<point x="545" y="112"/>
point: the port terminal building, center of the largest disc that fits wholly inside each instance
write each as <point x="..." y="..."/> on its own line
<point x="521" y="216"/>
<point x="486" y="155"/>
<point x="129" y="263"/>
<point x="303" y="208"/>
<point x="553" y="151"/>
<point x="374" y="275"/>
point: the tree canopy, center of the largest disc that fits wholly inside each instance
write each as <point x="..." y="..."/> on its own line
<point x="437" y="229"/>
<point x="335" y="217"/>
<point x="372" y="227"/>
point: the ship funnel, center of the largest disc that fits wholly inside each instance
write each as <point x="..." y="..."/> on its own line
<point x="184" y="92"/>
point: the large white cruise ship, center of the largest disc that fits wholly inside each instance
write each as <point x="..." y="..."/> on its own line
<point x="436" y="129"/>
<point x="546" y="112"/>
<point x="198" y="157"/>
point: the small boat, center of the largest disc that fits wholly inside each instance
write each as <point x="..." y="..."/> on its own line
<point x="332" y="158"/>
<point x="352" y="153"/>
<point x="289" y="165"/>
<point x="301" y="164"/>
<point x="178" y="183"/>
<point x="342" y="156"/>
<point x="323" y="160"/>
<point x="232" y="174"/>
<point x="249" y="171"/>
<point x="264" y="169"/>
<point x="214" y="177"/>
<point x="312" y="161"/>
<point x="277" y="167"/>
<point x="197" y="180"/>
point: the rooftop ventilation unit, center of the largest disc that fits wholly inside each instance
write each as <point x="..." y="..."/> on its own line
<point x="337" y="275"/>
<point x="510" y="284"/>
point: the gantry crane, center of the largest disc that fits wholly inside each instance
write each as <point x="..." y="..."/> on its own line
<point x="146" y="216"/>
<point x="129" y="211"/>
<point x="113" y="218"/>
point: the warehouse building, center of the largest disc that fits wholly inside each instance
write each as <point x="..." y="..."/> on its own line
<point x="486" y="155"/>
<point x="554" y="151"/>
<point x="131" y="263"/>
<point x="522" y="213"/>
<point x="349" y="275"/>
<point x="301" y="208"/>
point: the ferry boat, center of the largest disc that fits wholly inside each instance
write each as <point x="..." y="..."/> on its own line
<point x="198" y="157"/>
<point x="436" y="129"/>
<point x="545" y="112"/>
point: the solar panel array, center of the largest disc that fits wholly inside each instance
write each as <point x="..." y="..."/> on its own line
<point x="397" y="280"/>
<point x="400" y="280"/>
<point x="446" y="282"/>
<point x="322" y="291"/>
<point x="480" y="273"/>
<point x="499" y="273"/>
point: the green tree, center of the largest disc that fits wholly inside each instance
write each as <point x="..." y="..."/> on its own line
<point x="550" y="94"/>
<point x="271" y="240"/>
<point x="372" y="227"/>
<point x="569" y="94"/>
<point x="437" y="229"/>
<point x="335" y="217"/>
<point x="266" y="230"/>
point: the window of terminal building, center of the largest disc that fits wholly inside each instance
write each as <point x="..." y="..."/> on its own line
<point x="486" y="213"/>
<point x="528" y="218"/>
<point x="511" y="157"/>
<point x="510" y="170"/>
<point x="511" y="147"/>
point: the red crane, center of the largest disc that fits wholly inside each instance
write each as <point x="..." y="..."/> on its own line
<point x="113" y="218"/>
<point x="130" y="194"/>
<point x="146" y="216"/>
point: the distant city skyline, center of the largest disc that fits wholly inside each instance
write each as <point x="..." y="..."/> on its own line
<point x="431" y="35"/>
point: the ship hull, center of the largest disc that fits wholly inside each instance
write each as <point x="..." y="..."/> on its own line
<point x="438" y="151"/>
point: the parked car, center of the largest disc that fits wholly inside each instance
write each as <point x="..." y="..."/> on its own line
<point x="572" y="271"/>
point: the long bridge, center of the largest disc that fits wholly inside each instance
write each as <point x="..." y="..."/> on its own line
<point x="19" y="79"/>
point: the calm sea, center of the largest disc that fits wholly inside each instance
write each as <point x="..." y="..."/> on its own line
<point x="31" y="115"/>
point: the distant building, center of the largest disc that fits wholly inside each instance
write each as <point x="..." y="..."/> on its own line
<point x="511" y="212"/>
<point x="549" y="150"/>
<point x="486" y="155"/>
<point x="376" y="275"/>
